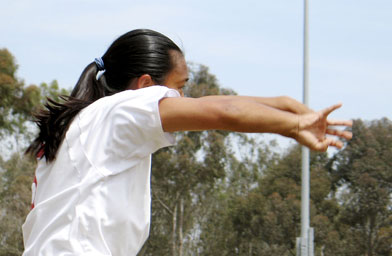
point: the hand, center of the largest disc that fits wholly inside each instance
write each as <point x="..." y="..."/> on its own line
<point x="313" y="128"/>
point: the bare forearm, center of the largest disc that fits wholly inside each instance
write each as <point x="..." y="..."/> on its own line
<point x="284" y="103"/>
<point x="234" y="113"/>
<point x="245" y="115"/>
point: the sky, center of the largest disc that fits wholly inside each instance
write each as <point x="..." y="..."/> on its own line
<point x="254" y="47"/>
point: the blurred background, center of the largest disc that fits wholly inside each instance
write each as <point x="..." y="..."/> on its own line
<point x="231" y="194"/>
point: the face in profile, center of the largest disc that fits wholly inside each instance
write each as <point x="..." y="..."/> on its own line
<point x="178" y="76"/>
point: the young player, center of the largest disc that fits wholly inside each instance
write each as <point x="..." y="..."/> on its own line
<point x="92" y="187"/>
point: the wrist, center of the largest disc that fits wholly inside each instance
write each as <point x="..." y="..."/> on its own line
<point x="292" y="128"/>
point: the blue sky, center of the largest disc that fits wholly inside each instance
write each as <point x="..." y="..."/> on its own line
<point x="252" y="46"/>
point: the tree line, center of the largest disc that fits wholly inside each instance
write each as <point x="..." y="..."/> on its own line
<point x="223" y="193"/>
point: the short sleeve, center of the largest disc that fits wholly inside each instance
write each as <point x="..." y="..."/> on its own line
<point x="136" y="124"/>
<point x="123" y="128"/>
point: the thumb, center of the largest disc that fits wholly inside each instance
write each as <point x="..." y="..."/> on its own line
<point x="325" y="112"/>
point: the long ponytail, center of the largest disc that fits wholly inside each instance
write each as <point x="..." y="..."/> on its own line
<point x="135" y="53"/>
<point x="53" y="121"/>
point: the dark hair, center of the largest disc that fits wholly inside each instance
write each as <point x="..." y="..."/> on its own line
<point x="132" y="55"/>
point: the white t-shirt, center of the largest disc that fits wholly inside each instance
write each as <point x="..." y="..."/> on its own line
<point x="94" y="199"/>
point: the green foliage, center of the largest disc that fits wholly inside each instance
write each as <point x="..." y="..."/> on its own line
<point x="221" y="193"/>
<point x="15" y="198"/>
<point x="265" y="220"/>
<point x="11" y="91"/>
<point x="18" y="102"/>
<point x="364" y="173"/>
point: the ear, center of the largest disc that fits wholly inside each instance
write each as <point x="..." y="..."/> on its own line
<point x="144" y="81"/>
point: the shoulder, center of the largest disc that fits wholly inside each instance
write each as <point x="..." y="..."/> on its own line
<point x="151" y="93"/>
<point x="140" y="97"/>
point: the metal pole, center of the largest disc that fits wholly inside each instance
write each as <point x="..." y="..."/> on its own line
<point x="305" y="150"/>
<point x="305" y="242"/>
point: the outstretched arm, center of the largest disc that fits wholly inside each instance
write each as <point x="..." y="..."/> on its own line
<point x="284" y="103"/>
<point x="247" y="114"/>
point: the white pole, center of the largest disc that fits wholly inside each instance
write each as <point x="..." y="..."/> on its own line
<point x="305" y="150"/>
<point x="305" y="242"/>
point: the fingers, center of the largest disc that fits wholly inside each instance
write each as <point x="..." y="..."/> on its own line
<point x="314" y="134"/>
<point x="323" y="145"/>
<point x="348" y="123"/>
<point x="343" y="134"/>
<point x="325" y="112"/>
<point x="336" y="143"/>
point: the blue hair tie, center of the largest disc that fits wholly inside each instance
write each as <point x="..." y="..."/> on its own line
<point x="99" y="63"/>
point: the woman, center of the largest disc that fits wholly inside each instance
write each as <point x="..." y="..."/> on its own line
<point x="91" y="194"/>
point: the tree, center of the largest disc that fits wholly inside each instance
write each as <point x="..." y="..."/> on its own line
<point x="18" y="102"/>
<point x="222" y="193"/>
<point x="363" y="174"/>
<point x="10" y="92"/>
<point x="15" y="202"/>
<point x="265" y="220"/>
<point x="16" y="130"/>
